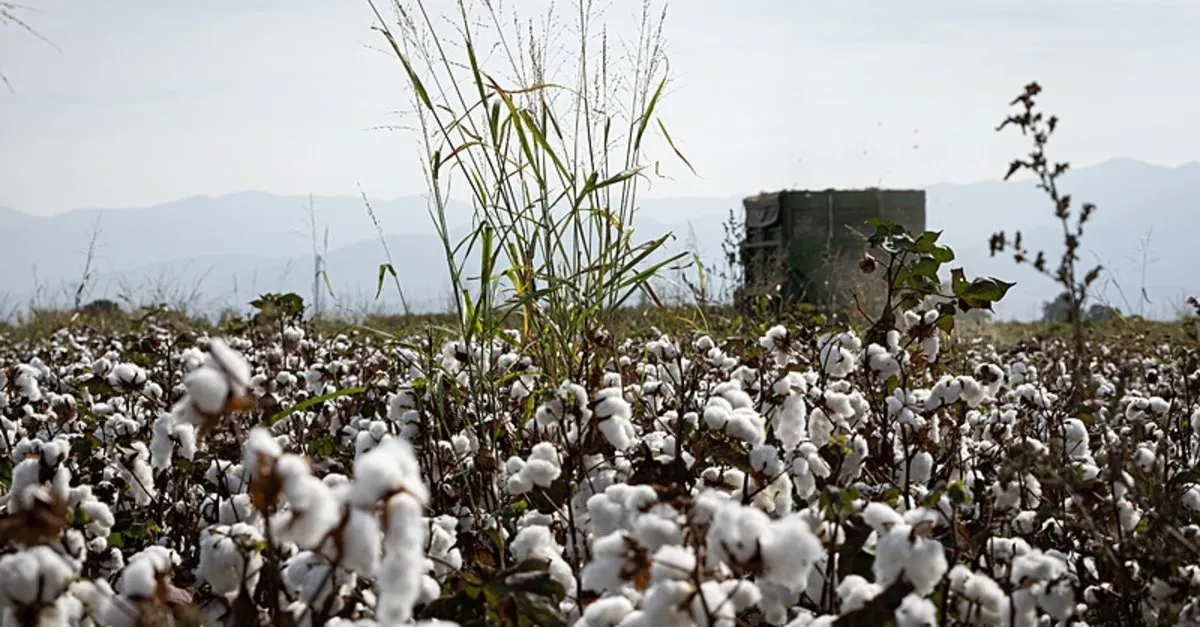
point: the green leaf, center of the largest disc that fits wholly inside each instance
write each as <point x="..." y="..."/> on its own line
<point x="977" y="294"/>
<point x="384" y="269"/>
<point x="958" y="493"/>
<point x="322" y="447"/>
<point x="301" y="406"/>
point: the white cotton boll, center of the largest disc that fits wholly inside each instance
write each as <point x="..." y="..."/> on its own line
<point x="1128" y="515"/>
<point x="882" y="362"/>
<point x="733" y="394"/>
<point x="820" y="427"/>
<point x="100" y="517"/>
<point x="854" y="592"/>
<point x="126" y="377"/>
<point x="947" y="391"/>
<point x="606" y="514"/>
<point x="387" y="468"/>
<point x="791" y="421"/>
<point x="24" y="477"/>
<point x="1034" y="565"/>
<point x="916" y="611"/>
<point x="789" y="551"/>
<point x="881" y="517"/>
<point x="139" y="478"/>
<point x="618" y="432"/>
<point x="1144" y="457"/>
<point x="931" y="345"/>
<point x="207" y="389"/>
<point x="656" y="529"/>
<point x="605" y="612"/>
<point x="609" y="555"/>
<point x="839" y="405"/>
<point x="672" y="562"/>
<point x="979" y="596"/>
<point x="662" y="604"/>
<point x="260" y="445"/>
<point x="518" y="483"/>
<point x="920" y="468"/>
<point x="161" y="445"/>
<point x="361" y="543"/>
<point x="735" y="533"/>
<point x="185" y="435"/>
<point x="139" y="579"/>
<point x="905" y="551"/>
<point x="541" y="472"/>
<point x="223" y="562"/>
<point x="314" y="511"/>
<point x="716" y="413"/>
<point x="1191" y="498"/>
<point x="34" y="575"/>
<point x="746" y="425"/>
<point x="1025" y="522"/>
<point x="1076" y="439"/>
<point x="973" y="393"/>
<point x="1058" y="599"/>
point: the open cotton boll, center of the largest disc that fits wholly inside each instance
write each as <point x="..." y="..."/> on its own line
<point x="906" y="551"/>
<point x="657" y="528"/>
<point x="837" y="353"/>
<point x="605" y="612"/>
<point x="854" y="592"/>
<point x="978" y="596"/>
<point x="789" y="551"/>
<point x="916" y="611"/>
<point x="672" y="561"/>
<point x="140" y="577"/>
<point x="386" y="469"/>
<point x="610" y="554"/>
<point x="358" y="543"/>
<point x="229" y="555"/>
<point x="34" y="575"/>
<point x="881" y="518"/>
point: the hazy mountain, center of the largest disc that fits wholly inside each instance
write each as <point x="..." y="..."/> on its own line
<point x="222" y="251"/>
<point x="10" y="217"/>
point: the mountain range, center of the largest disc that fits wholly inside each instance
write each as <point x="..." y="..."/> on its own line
<point x="215" y="252"/>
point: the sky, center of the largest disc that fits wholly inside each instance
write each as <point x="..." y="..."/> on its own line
<point x="134" y="103"/>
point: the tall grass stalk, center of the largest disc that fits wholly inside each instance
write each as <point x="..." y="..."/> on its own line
<point x="551" y="156"/>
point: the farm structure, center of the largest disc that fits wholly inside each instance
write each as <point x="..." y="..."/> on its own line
<point x="806" y="245"/>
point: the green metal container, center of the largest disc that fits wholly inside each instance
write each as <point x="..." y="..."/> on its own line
<point x="806" y="245"/>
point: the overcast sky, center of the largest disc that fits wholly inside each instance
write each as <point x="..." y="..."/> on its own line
<point x="150" y="101"/>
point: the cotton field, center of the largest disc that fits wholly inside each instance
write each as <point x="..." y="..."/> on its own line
<point x="284" y="476"/>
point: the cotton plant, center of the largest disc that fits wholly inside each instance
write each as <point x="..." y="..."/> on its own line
<point x="685" y="480"/>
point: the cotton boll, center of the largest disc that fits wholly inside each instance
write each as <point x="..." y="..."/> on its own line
<point x="881" y="517"/>
<point x="791" y="420"/>
<point x="905" y="550"/>
<point x="979" y="596"/>
<point x="387" y="468"/>
<point x="916" y="611"/>
<point x="34" y="575"/>
<point x="672" y="562"/>
<point x="658" y="528"/>
<point x="361" y="541"/>
<point x="789" y="550"/>
<point x="820" y="427"/>
<point x="735" y="533"/>
<point x="609" y="556"/>
<point x="605" y="612"/>
<point x="223" y="558"/>
<point x="854" y="592"/>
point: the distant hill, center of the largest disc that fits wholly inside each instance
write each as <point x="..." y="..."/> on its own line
<point x="222" y="251"/>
